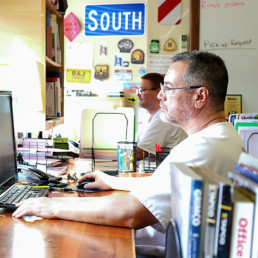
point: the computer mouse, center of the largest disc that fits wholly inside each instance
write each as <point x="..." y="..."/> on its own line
<point x="81" y="185"/>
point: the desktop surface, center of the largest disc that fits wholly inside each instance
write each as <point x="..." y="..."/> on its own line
<point x="63" y="238"/>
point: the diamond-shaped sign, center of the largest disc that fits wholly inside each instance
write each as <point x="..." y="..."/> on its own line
<point x="71" y="27"/>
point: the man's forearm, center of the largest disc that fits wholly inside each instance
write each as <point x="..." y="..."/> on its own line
<point x="121" y="209"/>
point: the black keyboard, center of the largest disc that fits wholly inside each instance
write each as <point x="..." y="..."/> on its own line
<point x="19" y="193"/>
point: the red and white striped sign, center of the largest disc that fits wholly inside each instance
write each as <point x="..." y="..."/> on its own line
<point x="169" y="11"/>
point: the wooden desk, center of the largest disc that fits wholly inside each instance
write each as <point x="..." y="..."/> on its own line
<point x="84" y="165"/>
<point x="62" y="238"/>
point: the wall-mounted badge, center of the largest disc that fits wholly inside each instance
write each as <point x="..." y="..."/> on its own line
<point x="101" y="72"/>
<point x="103" y="49"/>
<point x="154" y="46"/>
<point x="142" y="71"/>
<point x="125" y="64"/>
<point x="125" y="45"/>
<point x="137" y="57"/>
<point x="118" y="61"/>
<point x="170" y="45"/>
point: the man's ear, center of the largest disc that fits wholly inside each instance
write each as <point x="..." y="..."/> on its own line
<point x="202" y="95"/>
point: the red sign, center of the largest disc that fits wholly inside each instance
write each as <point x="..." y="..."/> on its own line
<point x="71" y="27"/>
<point x="169" y="11"/>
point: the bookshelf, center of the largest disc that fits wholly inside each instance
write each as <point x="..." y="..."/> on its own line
<point x="55" y="66"/>
<point x="24" y="63"/>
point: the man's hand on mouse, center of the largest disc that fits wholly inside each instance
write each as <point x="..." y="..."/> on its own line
<point x="100" y="181"/>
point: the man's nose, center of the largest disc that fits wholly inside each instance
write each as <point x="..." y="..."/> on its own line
<point x="161" y="95"/>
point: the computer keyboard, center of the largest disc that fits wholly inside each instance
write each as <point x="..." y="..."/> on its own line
<point x="19" y="193"/>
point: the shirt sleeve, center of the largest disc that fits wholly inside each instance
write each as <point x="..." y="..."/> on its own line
<point x="154" y="194"/>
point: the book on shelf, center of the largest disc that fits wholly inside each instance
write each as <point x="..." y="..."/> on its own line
<point x="49" y="42"/>
<point x="250" y="189"/>
<point x="51" y="99"/>
<point x="242" y="224"/>
<point x="56" y="45"/>
<point x="186" y="202"/>
<point x="247" y="171"/>
<point x="57" y="95"/>
<point x="57" y="76"/>
<point x="216" y="229"/>
<point x="209" y="213"/>
<point x="248" y="160"/>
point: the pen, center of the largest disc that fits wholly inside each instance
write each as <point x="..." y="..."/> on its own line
<point x="67" y="189"/>
<point x="131" y="162"/>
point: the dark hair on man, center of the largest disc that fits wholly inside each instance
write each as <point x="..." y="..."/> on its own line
<point x="208" y="70"/>
<point x="155" y="78"/>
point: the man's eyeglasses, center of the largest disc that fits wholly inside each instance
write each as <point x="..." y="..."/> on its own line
<point x="140" y="90"/>
<point x="164" y="89"/>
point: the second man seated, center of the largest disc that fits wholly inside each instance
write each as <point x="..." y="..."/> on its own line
<point x="153" y="130"/>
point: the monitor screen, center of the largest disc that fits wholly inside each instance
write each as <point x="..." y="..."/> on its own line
<point x="101" y="130"/>
<point x="8" y="164"/>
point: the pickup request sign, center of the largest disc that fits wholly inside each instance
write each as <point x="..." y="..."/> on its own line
<point x="115" y="19"/>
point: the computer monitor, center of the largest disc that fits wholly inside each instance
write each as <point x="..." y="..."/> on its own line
<point x="101" y="130"/>
<point x="8" y="165"/>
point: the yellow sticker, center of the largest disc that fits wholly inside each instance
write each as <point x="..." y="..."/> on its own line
<point x="132" y="99"/>
<point x="78" y="76"/>
<point x="170" y="45"/>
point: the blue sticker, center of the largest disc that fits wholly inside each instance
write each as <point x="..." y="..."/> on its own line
<point x="125" y="64"/>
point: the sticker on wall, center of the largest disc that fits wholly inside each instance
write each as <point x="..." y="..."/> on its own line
<point x="132" y="99"/>
<point x="125" y="63"/>
<point x="125" y="45"/>
<point x="118" y="61"/>
<point x="137" y="57"/>
<point x="101" y="72"/>
<point x="170" y="45"/>
<point x="130" y="86"/>
<point x="78" y="76"/>
<point x="103" y="49"/>
<point x="141" y="71"/>
<point x="123" y="75"/>
<point x="71" y="27"/>
<point x="154" y="46"/>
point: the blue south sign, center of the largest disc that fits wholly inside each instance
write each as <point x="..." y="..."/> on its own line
<point x="115" y="19"/>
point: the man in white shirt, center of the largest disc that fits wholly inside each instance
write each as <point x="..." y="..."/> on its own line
<point x="193" y="98"/>
<point x="154" y="130"/>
